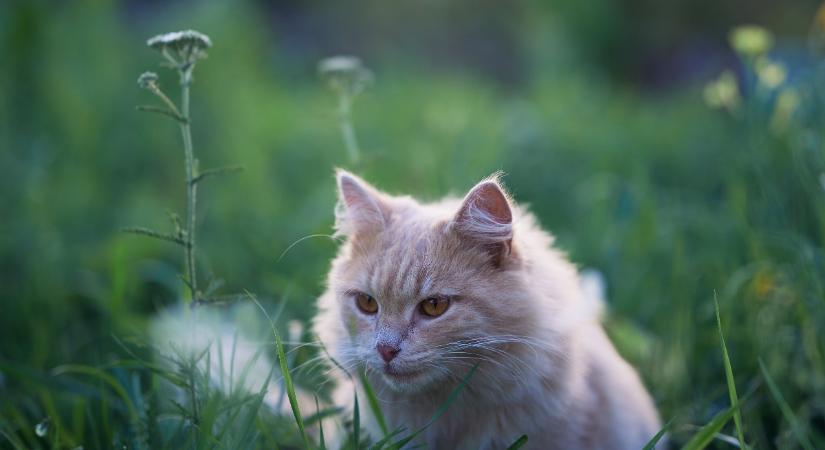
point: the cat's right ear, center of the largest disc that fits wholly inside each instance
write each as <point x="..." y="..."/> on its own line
<point x="360" y="209"/>
<point x="486" y="217"/>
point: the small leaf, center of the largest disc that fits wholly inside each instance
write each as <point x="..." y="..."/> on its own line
<point x="155" y="234"/>
<point x="658" y="437"/>
<point x="217" y="171"/>
<point x="162" y="111"/>
<point x="518" y="443"/>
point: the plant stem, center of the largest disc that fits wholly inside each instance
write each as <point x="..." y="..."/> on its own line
<point x="191" y="185"/>
<point x="347" y="130"/>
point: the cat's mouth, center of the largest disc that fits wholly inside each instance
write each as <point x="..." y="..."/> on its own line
<point x="402" y="375"/>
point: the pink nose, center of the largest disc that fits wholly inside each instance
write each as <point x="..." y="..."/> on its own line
<point x="388" y="352"/>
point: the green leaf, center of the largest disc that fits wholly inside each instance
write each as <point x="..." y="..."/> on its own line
<point x="651" y="444"/>
<point x="356" y="422"/>
<point x="375" y="407"/>
<point x="518" y="443"/>
<point x="441" y="409"/>
<point x="290" y="386"/>
<point x="155" y="234"/>
<point x="734" y="399"/>
<point x="321" y="439"/>
<point x="801" y="437"/>
<point x="216" y="171"/>
<point x="163" y="111"/>
<point x="706" y="434"/>
<point x="380" y="444"/>
<point x="103" y="376"/>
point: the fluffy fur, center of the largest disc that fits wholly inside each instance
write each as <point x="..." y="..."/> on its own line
<point x="545" y="365"/>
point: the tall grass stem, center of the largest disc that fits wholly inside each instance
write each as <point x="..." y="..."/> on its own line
<point x="191" y="185"/>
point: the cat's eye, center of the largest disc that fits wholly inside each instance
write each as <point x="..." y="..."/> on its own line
<point x="366" y="303"/>
<point x="434" y="306"/>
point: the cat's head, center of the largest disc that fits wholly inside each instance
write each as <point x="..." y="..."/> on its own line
<point x="423" y="291"/>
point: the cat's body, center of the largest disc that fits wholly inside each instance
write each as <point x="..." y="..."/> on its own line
<point x="514" y="310"/>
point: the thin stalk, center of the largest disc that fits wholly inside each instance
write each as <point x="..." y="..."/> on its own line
<point x="347" y="130"/>
<point x="191" y="185"/>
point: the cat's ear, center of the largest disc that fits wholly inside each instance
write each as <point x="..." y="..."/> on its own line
<point x="486" y="217"/>
<point x="361" y="208"/>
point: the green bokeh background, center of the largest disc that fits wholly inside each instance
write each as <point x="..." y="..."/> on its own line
<point x="593" y="111"/>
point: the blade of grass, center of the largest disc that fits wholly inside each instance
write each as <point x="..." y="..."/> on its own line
<point x="518" y="443"/>
<point x="441" y="409"/>
<point x="321" y="440"/>
<point x="356" y="422"/>
<point x="372" y="399"/>
<point x="651" y="444"/>
<point x="102" y="376"/>
<point x="734" y="399"/>
<point x="290" y="386"/>
<point x="801" y="437"/>
<point x="13" y="439"/>
<point x="253" y="411"/>
<point x="706" y="434"/>
<point x="380" y="444"/>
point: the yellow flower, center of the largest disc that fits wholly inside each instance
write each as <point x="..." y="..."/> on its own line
<point x="751" y="40"/>
<point x="723" y="92"/>
<point x="770" y="74"/>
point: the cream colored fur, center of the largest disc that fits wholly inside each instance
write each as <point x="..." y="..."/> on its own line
<point x="545" y="366"/>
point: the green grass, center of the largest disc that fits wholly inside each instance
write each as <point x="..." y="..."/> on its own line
<point x="670" y="200"/>
<point x="734" y="398"/>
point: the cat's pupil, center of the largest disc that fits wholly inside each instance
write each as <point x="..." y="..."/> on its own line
<point x="366" y="303"/>
<point x="434" y="307"/>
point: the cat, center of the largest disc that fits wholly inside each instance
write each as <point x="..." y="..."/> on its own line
<point x="420" y="294"/>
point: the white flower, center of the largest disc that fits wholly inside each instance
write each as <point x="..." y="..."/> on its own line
<point x="178" y="40"/>
<point x="181" y="48"/>
<point x="345" y="74"/>
<point x="147" y="80"/>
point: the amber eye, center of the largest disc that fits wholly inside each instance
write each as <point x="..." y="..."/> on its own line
<point x="434" y="306"/>
<point x="366" y="303"/>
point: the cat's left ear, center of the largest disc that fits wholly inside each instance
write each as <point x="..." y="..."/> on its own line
<point x="361" y="210"/>
<point x="486" y="217"/>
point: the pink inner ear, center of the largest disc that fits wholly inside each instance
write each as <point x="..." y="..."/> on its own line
<point x="489" y="198"/>
<point x="485" y="216"/>
<point x="354" y="195"/>
<point x="363" y="208"/>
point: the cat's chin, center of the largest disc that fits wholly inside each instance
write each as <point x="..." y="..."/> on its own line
<point x="405" y="381"/>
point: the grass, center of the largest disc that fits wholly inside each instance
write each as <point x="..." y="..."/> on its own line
<point x="670" y="200"/>
<point x="731" y="381"/>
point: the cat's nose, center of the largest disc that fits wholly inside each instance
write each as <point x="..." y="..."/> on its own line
<point x="387" y="352"/>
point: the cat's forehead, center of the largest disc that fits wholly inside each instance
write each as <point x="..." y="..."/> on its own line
<point x="405" y="261"/>
<point x="401" y="264"/>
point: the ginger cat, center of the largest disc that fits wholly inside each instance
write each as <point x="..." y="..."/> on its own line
<point x="421" y="293"/>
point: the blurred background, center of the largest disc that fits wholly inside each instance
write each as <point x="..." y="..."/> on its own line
<point x="609" y="118"/>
